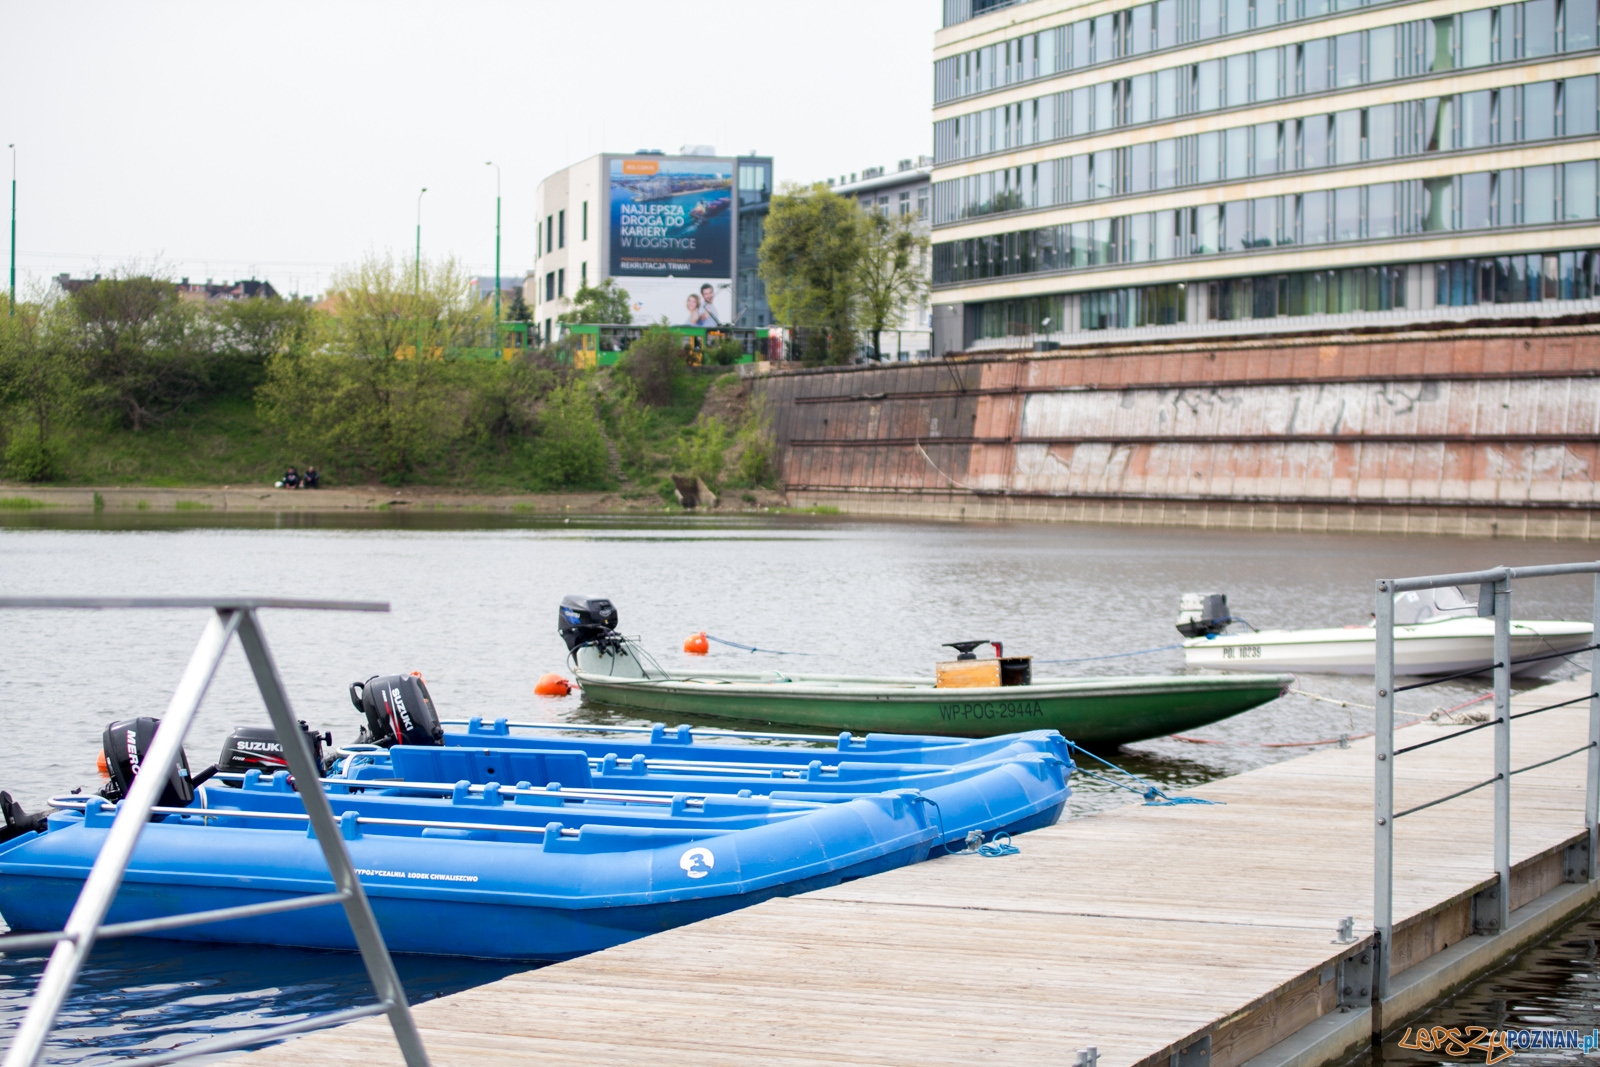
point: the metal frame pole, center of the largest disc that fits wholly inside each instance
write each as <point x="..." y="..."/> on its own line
<point x="1502" y="750"/>
<point x="1383" y="787"/>
<point x="1591" y="804"/>
<point x="100" y="887"/>
<point x="357" y="909"/>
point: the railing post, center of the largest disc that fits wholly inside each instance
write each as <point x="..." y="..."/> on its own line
<point x="1591" y="804"/>
<point x="1383" y="788"/>
<point x="105" y="878"/>
<point x="357" y="909"/>
<point x="1502" y="750"/>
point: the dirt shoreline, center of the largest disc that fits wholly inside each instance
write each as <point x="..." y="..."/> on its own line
<point x="355" y="498"/>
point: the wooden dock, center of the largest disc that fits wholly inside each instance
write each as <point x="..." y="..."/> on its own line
<point x="1188" y="935"/>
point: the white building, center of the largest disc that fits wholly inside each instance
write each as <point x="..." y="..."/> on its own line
<point x="902" y="192"/>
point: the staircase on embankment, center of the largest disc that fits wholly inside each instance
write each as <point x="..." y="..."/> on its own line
<point x="1486" y="430"/>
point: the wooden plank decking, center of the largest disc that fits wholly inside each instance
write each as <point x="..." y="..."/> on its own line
<point x="1136" y="930"/>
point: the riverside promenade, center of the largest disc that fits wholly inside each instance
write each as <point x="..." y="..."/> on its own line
<point x="1178" y="936"/>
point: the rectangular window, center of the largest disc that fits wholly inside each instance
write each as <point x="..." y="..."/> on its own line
<point x="1236" y="16"/>
<point x="1237" y="77"/>
<point x="1166" y="234"/>
<point x="1314" y="65"/>
<point x="549" y="233"/>
<point x="1210" y="80"/>
<point x="1103" y="112"/>
<point x="550" y="286"/>
<point x="1539" y="28"/>
<point x="1578" y="106"/>
<point x="1079" y="35"/>
<point x="1538" y="111"/>
<point x="583" y="274"/>
<point x="905" y="202"/>
<point x="1383" y="53"/>
<point x="1580" y="28"/>
<point x="1347" y="214"/>
<point x="1437" y="210"/>
<point x="1314" y="141"/>
<point x="1210" y="19"/>
<point x="1314" y="218"/>
<point x="1477" y="37"/>
<point x="1578" y="201"/>
<point x="1475" y="120"/>
<point x="1139" y="240"/>
<point x="922" y="202"/>
<point x="1206" y="236"/>
<point x="1538" y="195"/>
<point x="1347" y="59"/>
<point x="1477" y="200"/>
<point x="1102" y="40"/>
<point x="1166" y="23"/>
<point x="1267" y="149"/>
<point x="1264" y="13"/>
<point x="1267" y="85"/>
<point x="1441" y="56"/>
<point x="1079" y="184"/>
<point x="1166" y="153"/>
<point x="1381" y="210"/>
<point x="585" y="236"/>
<point x="1100" y="247"/>
<point x="561" y="228"/>
<point x="1346" y="137"/>
<point x="1208" y="157"/>
<point x="1380" y="131"/>
<point x="1143" y="36"/>
<point x="1141" y="108"/>
<point x="561" y="282"/>
<point x="1139" y="167"/>
<point x="1236" y="152"/>
<point x="1169" y="101"/>
<point x="1080" y="111"/>
<point x="1264" y="223"/>
<point x="1436" y="121"/>
<point x="1103" y="173"/>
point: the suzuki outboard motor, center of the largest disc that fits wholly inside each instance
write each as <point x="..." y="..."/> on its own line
<point x="585" y="619"/>
<point x="126" y="744"/>
<point x="399" y="711"/>
<point x="1200" y="615"/>
<point x="256" y="748"/>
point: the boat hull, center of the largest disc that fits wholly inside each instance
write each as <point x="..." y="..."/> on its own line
<point x="1447" y="647"/>
<point x="1093" y="712"/>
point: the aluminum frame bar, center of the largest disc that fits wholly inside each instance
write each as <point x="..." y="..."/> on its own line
<point x="1591" y="795"/>
<point x="357" y="909"/>
<point x="1502" y="751"/>
<point x="1383" y="787"/>
<point x="105" y="877"/>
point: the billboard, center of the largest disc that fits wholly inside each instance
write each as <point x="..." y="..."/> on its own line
<point x="681" y="301"/>
<point x="671" y="218"/>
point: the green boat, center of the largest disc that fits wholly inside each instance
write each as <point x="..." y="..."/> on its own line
<point x="1096" y="712"/>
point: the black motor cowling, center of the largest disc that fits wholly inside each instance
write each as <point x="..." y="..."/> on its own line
<point x="399" y="711"/>
<point x="585" y="619"/>
<point x="257" y="748"/>
<point x="1203" y="614"/>
<point x="126" y="744"/>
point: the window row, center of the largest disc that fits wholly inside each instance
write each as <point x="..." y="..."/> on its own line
<point x="1535" y="112"/>
<point x="1516" y="279"/>
<point x="1350" y="59"/>
<point x="1486" y="199"/>
<point x="1487" y="35"/>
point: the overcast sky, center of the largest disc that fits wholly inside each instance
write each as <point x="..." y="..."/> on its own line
<point x="283" y="139"/>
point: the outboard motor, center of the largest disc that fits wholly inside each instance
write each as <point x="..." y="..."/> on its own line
<point x="256" y="748"/>
<point x="399" y="711"/>
<point x="1203" y="614"/>
<point x="126" y="744"/>
<point x="584" y="620"/>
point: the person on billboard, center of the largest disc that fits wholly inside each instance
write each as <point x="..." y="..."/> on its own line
<point x="708" y="293"/>
<point x="694" y="314"/>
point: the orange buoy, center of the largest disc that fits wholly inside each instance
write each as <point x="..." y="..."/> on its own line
<point x="696" y="644"/>
<point x="552" y="685"/>
<point x="100" y="765"/>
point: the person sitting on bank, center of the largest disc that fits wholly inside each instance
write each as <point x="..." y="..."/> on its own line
<point x="291" y="479"/>
<point x="311" y="479"/>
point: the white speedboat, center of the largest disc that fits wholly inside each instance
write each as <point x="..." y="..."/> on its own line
<point x="1436" y="631"/>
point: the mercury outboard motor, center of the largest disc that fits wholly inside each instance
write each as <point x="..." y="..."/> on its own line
<point x="1200" y="615"/>
<point x="257" y="748"/>
<point x="584" y="620"/>
<point x="399" y="711"/>
<point x="126" y="744"/>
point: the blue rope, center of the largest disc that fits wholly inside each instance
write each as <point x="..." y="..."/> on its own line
<point x="753" y="648"/>
<point x="996" y="847"/>
<point x="1154" y="795"/>
<point x="999" y="845"/>
<point x="1114" y="655"/>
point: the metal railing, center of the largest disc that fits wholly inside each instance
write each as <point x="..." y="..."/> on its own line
<point x="235" y="616"/>
<point x="1494" y="599"/>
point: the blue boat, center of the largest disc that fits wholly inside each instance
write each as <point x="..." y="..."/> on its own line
<point x="597" y="843"/>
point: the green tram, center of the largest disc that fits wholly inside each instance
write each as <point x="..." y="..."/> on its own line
<point x="601" y="345"/>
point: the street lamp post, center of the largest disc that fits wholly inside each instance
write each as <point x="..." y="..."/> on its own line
<point x="416" y="279"/>
<point x="496" y="167"/>
<point x="11" y="302"/>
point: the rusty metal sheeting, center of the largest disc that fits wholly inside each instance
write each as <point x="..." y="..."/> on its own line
<point x="1554" y="407"/>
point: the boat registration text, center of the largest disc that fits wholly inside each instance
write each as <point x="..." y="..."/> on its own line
<point x="1241" y="651"/>
<point x="991" y="709"/>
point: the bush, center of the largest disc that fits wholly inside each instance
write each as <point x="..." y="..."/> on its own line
<point x="654" y="363"/>
<point x="725" y="353"/>
<point x="29" y="459"/>
<point x="700" y="452"/>
<point x="571" y="448"/>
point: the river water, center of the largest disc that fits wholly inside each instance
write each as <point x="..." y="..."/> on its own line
<point x="474" y="599"/>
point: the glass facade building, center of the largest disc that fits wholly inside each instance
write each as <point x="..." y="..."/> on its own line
<point x="1104" y="166"/>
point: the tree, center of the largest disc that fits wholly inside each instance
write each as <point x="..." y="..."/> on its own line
<point x="810" y="261"/>
<point x="655" y="364"/>
<point x="251" y="332"/>
<point x="603" y="303"/>
<point x="35" y="376"/>
<point x="143" y="351"/>
<point x="519" y="311"/>
<point x="892" y="278"/>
